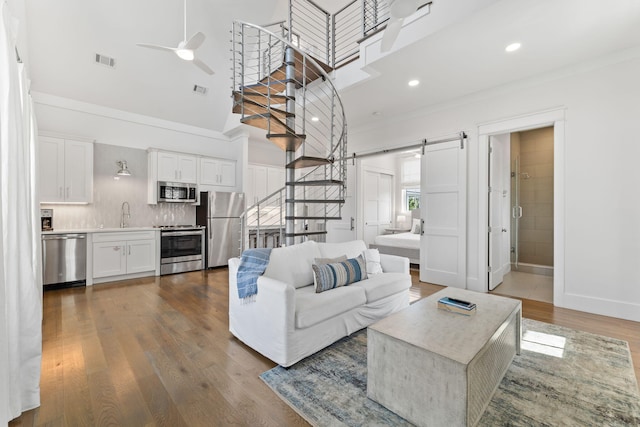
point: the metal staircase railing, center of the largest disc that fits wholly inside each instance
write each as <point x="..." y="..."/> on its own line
<point x="289" y="94"/>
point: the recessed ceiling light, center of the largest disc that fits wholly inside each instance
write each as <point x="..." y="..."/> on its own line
<point x="315" y="119"/>
<point x="413" y="83"/>
<point x="512" y="47"/>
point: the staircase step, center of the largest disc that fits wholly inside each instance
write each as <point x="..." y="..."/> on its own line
<point x="305" y="233"/>
<point x="259" y="98"/>
<point x="312" y="201"/>
<point x="268" y="122"/>
<point x="271" y="87"/>
<point x="316" y="183"/>
<point x="315" y="218"/>
<point x="310" y="74"/>
<point x="287" y="141"/>
<point x="307" y="162"/>
<point x="253" y="108"/>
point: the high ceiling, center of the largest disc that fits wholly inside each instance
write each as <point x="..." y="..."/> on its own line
<point x="463" y="57"/>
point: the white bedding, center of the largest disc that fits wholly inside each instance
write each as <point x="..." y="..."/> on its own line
<point x="400" y="240"/>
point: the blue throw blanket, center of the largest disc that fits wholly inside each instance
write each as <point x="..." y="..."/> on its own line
<point x="252" y="264"/>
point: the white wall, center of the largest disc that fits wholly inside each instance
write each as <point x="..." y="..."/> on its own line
<point x="602" y="206"/>
<point x="109" y="194"/>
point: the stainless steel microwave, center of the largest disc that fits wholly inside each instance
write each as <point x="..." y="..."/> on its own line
<point x="176" y="192"/>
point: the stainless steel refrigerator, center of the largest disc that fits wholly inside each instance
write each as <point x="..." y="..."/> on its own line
<point x="220" y="213"/>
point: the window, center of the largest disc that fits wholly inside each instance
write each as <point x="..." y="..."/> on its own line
<point x="410" y="170"/>
<point x="411" y="182"/>
<point x="411" y="198"/>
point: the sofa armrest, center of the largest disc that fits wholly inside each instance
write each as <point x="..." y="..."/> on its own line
<point x="263" y="323"/>
<point x="394" y="264"/>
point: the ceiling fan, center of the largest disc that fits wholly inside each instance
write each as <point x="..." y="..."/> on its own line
<point x="398" y="11"/>
<point x="186" y="49"/>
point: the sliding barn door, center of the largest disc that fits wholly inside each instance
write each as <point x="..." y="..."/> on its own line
<point x="443" y="208"/>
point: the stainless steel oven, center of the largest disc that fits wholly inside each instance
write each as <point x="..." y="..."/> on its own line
<point x="181" y="249"/>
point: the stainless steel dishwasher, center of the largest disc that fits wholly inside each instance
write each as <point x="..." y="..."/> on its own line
<point x="64" y="260"/>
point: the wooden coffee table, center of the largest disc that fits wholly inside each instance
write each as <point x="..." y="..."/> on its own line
<point x="437" y="368"/>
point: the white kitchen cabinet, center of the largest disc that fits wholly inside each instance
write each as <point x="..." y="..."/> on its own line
<point x="109" y="259"/>
<point x="66" y="170"/>
<point x="141" y="256"/>
<point x="262" y="181"/>
<point x="275" y="179"/>
<point x="217" y="172"/>
<point x="124" y="253"/>
<point x="176" y="167"/>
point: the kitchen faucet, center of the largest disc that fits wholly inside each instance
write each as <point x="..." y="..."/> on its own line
<point x="124" y="213"/>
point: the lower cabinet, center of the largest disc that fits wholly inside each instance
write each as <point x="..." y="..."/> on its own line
<point x="118" y="254"/>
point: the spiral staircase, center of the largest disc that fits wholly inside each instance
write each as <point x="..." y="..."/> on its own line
<point x="286" y="92"/>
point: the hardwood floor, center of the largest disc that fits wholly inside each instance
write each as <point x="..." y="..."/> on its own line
<point x="157" y="351"/>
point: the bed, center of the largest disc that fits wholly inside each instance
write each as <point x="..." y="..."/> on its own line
<point x="402" y="244"/>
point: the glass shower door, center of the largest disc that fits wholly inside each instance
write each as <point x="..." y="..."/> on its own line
<point x="516" y="210"/>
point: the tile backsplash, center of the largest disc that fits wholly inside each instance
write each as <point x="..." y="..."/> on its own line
<point x="109" y="195"/>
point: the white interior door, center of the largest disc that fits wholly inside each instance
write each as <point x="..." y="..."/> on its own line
<point x="377" y="203"/>
<point x="444" y="210"/>
<point x="385" y="201"/>
<point x="370" y="206"/>
<point x="499" y="184"/>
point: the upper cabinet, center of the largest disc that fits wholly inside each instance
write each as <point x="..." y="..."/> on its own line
<point x="217" y="172"/>
<point x="66" y="170"/>
<point x="209" y="173"/>
<point x="176" y="167"/>
<point x="262" y="181"/>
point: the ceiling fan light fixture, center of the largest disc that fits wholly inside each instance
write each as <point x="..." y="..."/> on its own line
<point x="513" y="47"/>
<point x="186" y="54"/>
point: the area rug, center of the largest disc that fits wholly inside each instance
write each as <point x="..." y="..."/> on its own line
<point x="562" y="378"/>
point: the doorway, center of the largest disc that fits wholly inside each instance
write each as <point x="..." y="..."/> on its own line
<point x="555" y="118"/>
<point x="521" y="218"/>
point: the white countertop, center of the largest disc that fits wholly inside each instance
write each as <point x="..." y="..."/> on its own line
<point x="99" y="230"/>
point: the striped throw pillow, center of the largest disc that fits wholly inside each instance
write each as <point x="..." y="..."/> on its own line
<point x="330" y="276"/>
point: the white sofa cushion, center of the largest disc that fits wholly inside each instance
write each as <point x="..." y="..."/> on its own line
<point x="372" y="261"/>
<point x="313" y="308"/>
<point x="292" y="264"/>
<point x="350" y="249"/>
<point x="380" y="286"/>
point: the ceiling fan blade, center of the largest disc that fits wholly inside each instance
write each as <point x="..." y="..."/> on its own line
<point x="204" y="67"/>
<point x="391" y="34"/>
<point x="403" y="8"/>
<point x="157" y="47"/>
<point x="195" y="41"/>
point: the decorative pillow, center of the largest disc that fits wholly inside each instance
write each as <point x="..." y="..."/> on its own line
<point x="322" y="261"/>
<point x="330" y="276"/>
<point x="415" y="226"/>
<point x="372" y="261"/>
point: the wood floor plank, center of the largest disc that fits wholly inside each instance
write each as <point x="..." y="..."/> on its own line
<point x="158" y="352"/>
<point x="76" y="399"/>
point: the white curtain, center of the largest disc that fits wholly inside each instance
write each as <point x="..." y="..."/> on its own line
<point x="20" y="265"/>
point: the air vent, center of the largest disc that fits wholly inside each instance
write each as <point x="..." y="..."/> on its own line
<point x="105" y="60"/>
<point x="201" y="90"/>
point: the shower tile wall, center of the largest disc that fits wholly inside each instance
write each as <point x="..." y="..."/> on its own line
<point x="536" y="196"/>
<point x="109" y="194"/>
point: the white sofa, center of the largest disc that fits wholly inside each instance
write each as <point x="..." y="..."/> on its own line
<point x="288" y="321"/>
